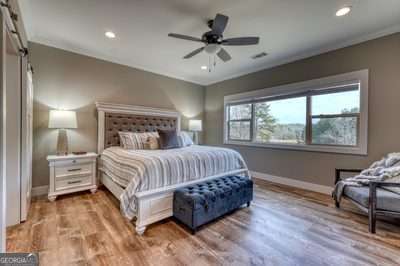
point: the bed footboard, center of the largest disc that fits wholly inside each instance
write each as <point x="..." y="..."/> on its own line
<point x="156" y="205"/>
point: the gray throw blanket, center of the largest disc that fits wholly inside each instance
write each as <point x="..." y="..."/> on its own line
<point x="384" y="170"/>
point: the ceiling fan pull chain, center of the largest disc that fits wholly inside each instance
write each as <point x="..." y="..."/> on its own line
<point x="209" y="64"/>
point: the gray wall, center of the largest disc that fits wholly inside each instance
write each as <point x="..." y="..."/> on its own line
<point x="380" y="56"/>
<point x="67" y="80"/>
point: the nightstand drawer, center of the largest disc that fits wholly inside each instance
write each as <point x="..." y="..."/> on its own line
<point x="67" y="162"/>
<point x="73" y="182"/>
<point x="62" y="172"/>
<point x="71" y="173"/>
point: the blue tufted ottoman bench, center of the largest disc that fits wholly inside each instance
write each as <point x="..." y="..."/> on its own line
<point x="201" y="203"/>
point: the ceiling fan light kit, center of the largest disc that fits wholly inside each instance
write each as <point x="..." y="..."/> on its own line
<point x="212" y="48"/>
<point x="213" y="40"/>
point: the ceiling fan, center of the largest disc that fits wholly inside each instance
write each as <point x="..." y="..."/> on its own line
<point x="214" y="41"/>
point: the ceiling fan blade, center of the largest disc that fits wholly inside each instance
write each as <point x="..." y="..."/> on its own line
<point x="223" y="54"/>
<point x="241" y="41"/>
<point x="219" y="24"/>
<point x="184" y="37"/>
<point x="195" y="52"/>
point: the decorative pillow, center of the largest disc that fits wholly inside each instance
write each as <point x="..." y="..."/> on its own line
<point x="168" y="139"/>
<point x="135" y="140"/>
<point x="184" y="139"/>
<point x="152" y="143"/>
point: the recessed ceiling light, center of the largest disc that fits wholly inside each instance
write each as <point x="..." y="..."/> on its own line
<point x="343" y="11"/>
<point x="204" y="67"/>
<point x="110" y="34"/>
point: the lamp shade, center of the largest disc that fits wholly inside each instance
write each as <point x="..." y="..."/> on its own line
<point x="195" y="125"/>
<point x="62" y="119"/>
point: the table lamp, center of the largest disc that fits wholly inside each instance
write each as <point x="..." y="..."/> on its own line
<point x="195" y="126"/>
<point x="62" y="120"/>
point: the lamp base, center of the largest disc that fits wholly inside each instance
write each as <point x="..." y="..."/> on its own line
<point x="196" y="137"/>
<point x="62" y="142"/>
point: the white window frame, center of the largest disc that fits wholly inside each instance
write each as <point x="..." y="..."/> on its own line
<point x="290" y="90"/>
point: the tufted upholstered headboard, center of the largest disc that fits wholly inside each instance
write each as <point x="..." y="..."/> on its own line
<point x="134" y="123"/>
<point x="118" y="117"/>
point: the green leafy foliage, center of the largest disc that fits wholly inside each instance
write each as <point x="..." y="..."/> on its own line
<point x="265" y="122"/>
<point x="339" y="131"/>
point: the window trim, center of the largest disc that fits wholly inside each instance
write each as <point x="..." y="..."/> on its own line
<point x="306" y="88"/>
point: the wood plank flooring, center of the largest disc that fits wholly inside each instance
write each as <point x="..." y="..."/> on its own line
<point x="283" y="226"/>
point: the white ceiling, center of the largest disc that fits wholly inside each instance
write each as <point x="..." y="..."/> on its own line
<point x="289" y="30"/>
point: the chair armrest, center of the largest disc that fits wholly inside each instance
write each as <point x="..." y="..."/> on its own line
<point x="383" y="184"/>
<point x="340" y="170"/>
<point x="373" y="185"/>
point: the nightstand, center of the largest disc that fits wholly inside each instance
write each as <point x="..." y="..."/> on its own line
<point x="72" y="173"/>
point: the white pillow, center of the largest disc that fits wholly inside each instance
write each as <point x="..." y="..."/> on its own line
<point x="135" y="140"/>
<point x="184" y="139"/>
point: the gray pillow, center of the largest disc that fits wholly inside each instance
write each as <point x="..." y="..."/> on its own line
<point x="168" y="139"/>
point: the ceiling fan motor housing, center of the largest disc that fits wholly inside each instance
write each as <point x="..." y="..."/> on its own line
<point x="210" y="23"/>
<point x="210" y="37"/>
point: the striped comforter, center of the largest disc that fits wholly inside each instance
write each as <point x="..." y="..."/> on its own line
<point x="141" y="170"/>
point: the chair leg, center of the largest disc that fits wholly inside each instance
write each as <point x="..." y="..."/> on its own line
<point x="372" y="221"/>
<point x="372" y="209"/>
<point x="337" y="204"/>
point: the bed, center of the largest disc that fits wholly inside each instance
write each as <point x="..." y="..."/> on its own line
<point x="144" y="180"/>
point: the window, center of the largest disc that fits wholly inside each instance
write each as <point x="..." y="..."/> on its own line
<point x="276" y="123"/>
<point x="335" y="118"/>
<point x="318" y="115"/>
<point x="240" y="122"/>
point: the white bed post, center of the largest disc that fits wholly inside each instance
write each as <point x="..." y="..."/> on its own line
<point x="140" y="227"/>
<point x="100" y="133"/>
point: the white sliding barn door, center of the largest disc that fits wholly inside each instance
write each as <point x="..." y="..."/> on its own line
<point x="2" y="139"/>
<point x="26" y="147"/>
<point x="13" y="134"/>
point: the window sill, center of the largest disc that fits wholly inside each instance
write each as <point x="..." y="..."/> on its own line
<point x="302" y="147"/>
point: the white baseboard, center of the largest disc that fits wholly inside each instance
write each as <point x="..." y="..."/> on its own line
<point x="43" y="190"/>
<point x="293" y="182"/>
<point x="39" y="191"/>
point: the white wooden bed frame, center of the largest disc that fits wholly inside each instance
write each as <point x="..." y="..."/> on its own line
<point x="152" y="205"/>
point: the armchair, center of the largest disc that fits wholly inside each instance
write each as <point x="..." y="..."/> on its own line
<point x="374" y="199"/>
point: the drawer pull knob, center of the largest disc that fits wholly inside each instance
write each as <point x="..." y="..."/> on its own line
<point x="74" y="161"/>
<point x="74" y="170"/>
<point x="74" y="182"/>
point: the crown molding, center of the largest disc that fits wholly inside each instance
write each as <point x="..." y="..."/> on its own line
<point x="313" y="52"/>
<point x="85" y="52"/>
<point x="310" y="53"/>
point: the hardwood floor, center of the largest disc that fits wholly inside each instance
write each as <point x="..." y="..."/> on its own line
<point x="283" y="226"/>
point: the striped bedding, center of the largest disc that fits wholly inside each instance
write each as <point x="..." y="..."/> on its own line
<point x="141" y="170"/>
